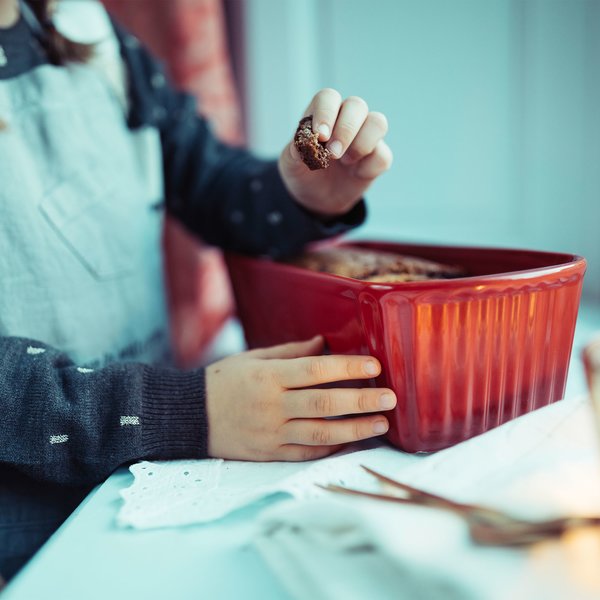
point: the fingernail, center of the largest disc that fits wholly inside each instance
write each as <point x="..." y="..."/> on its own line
<point x="371" y="368"/>
<point x="387" y="401"/>
<point x="380" y="427"/>
<point x="324" y="130"/>
<point x="335" y="148"/>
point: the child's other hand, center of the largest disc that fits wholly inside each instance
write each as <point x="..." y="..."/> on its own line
<point x="355" y="137"/>
<point x="259" y="407"/>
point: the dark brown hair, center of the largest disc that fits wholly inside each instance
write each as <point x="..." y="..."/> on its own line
<point x="60" y="50"/>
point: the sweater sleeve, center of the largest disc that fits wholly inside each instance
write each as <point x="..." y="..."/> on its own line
<point x="64" y="423"/>
<point x="222" y="193"/>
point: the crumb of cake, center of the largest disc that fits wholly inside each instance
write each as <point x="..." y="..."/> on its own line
<point x="314" y="153"/>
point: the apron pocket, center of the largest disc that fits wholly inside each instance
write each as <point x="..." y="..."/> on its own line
<point x="101" y="225"/>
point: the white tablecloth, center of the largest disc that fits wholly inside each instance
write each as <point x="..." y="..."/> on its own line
<point x="542" y="464"/>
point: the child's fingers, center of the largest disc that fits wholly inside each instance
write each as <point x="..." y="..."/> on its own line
<point x="376" y="163"/>
<point x="297" y="452"/>
<point x="291" y="349"/>
<point x="323" y="432"/>
<point x="324" y="108"/>
<point x="314" y="370"/>
<point x="336" y="402"/>
<point x="353" y="113"/>
<point x="373" y="130"/>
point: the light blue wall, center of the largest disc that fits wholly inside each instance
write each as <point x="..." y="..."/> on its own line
<point x="494" y="110"/>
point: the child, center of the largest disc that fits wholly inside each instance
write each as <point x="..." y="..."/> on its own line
<point x="93" y="143"/>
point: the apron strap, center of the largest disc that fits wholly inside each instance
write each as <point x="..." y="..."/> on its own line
<point x="32" y="21"/>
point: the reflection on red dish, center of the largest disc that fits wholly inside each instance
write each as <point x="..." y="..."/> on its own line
<point x="462" y="355"/>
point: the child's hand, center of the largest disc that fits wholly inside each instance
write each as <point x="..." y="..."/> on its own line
<point x="355" y="137"/>
<point x="259" y="407"/>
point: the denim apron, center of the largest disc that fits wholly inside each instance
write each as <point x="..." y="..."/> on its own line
<point x="80" y="226"/>
<point x="80" y="253"/>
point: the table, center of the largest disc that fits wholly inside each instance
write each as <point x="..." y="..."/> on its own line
<point x="90" y="557"/>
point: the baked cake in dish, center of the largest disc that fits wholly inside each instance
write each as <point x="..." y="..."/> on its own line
<point x="374" y="265"/>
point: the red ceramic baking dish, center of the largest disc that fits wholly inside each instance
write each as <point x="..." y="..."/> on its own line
<point x="462" y="355"/>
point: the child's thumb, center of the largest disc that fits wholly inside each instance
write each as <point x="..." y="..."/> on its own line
<point x="310" y="347"/>
<point x="291" y="160"/>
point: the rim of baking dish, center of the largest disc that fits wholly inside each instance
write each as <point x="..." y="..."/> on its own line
<point x="565" y="262"/>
